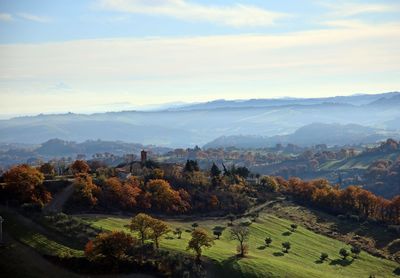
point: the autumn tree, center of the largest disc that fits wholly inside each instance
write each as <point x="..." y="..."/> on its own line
<point x="25" y="184"/>
<point x="80" y="167"/>
<point x="199" y="240"/>
<point x="141" y="224"/>
<point x="123" y="194"/>
<point x="240" y="233"/>
<point x="47" y="169"/>
<point x="85" y="191"/>
<point x="164" y="198"/>
<point x="269" y="184"/>
<point x="111" y="248"/>
<point x="158" y="228"/>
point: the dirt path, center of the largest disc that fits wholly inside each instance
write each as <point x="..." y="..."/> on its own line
<point x="58" y="201"/>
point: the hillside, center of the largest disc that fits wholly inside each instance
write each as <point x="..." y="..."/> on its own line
<point x="301" y="261"/>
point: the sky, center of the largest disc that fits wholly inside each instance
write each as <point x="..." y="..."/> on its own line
<point x="108" y="55"/>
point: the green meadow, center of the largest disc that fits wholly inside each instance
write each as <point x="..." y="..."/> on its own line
<point x="301" y="261"/>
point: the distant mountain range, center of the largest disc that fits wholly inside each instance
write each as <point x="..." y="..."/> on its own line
<point x="312" y="134"/>
<point x="198" y="124"/>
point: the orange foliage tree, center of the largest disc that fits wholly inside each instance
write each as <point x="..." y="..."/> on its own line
<point x="85" y="190"/>
<point x="164" y="198"/>
<point x="80" y="167"/>
<point x="25" y="184"/>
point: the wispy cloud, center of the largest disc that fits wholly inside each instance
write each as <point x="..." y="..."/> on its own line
<point x="349" y="8"/>
<point x="36" y="18"/>
<point x="237" y="15"/>
<point x="5" y="17"/>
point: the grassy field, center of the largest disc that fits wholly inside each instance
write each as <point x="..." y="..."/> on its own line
<point x="301" y="261"/>
<point x="27" y="233"/>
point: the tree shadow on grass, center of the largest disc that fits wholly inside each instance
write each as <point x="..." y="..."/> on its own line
<point x="342" y="262"/>
<point x="169" y="237"/>
<point x="278" y="254"/>
<point x="287" y="233"/>
<point x="262" y="247"/>
<point x="397" y="271"/>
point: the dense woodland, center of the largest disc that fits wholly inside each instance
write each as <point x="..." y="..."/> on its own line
<point x="185" y="189"/>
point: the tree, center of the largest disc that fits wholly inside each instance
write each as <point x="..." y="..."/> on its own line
<point x="164" y="198"/>
<point x="200" y="239"/>
<point x="80" y="167"/>
<point x="355" y="250"/>
<point x="122" y="194"/>
<point x="47" y="169"/>
<point x="195" y="225"/>
<point x="286" y="246"/>
<point x="293" y="227"/>
<point x="344" y="253"/>
<point x="217" y="231"/>
<point x="268" y="241"/>
<point x="25" y="184"/>
<point x="215" y="171"/>
<point x="141" y="223"/>
<point x="191" y="166"/>
<point x="158" y="229"/>
<point x="231" y="217"/>
<point x="178" y="232"/>
<point x="269" y="183"/>
<point x="241" y="234"/>
<point x="85" y="191"/>
<point x="323" y="257"/>
<point x="242" y="172"/>
<point x="111" y="248"/>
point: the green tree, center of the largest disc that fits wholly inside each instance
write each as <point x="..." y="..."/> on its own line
<point x="344" y="253"/>
<point x="178" y="232"/>
<point x="268" y="241"/>
<point x="286" y="246"/>
<point x="355" y="250"/>
<point x="215" y="171"/>
<point x="323" y="257"/>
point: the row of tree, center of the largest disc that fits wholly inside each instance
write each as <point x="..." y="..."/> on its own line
<point x="351" y="200"/>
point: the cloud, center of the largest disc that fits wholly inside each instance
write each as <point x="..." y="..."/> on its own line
<point x="237" y="15"/>
<point x="349" y="57"/>
<point x="5" y="17"/>
<point x="348" y="9"/>
<point x="35" y="18"/>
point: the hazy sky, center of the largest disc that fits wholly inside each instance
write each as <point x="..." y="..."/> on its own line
<point x="102" y="55"/>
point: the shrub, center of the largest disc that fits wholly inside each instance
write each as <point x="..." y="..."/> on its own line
<point x="354" y="218"/>
<point x="323" y="257"/>
<point x="268" y="241"/>
<point x="293" y="227"/>
<point x="344" y="253"/>
<point x="286" y="246"/>
<point x="355" y="250"/>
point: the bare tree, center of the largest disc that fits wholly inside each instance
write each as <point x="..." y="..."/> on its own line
<point x="241" y="233"/>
